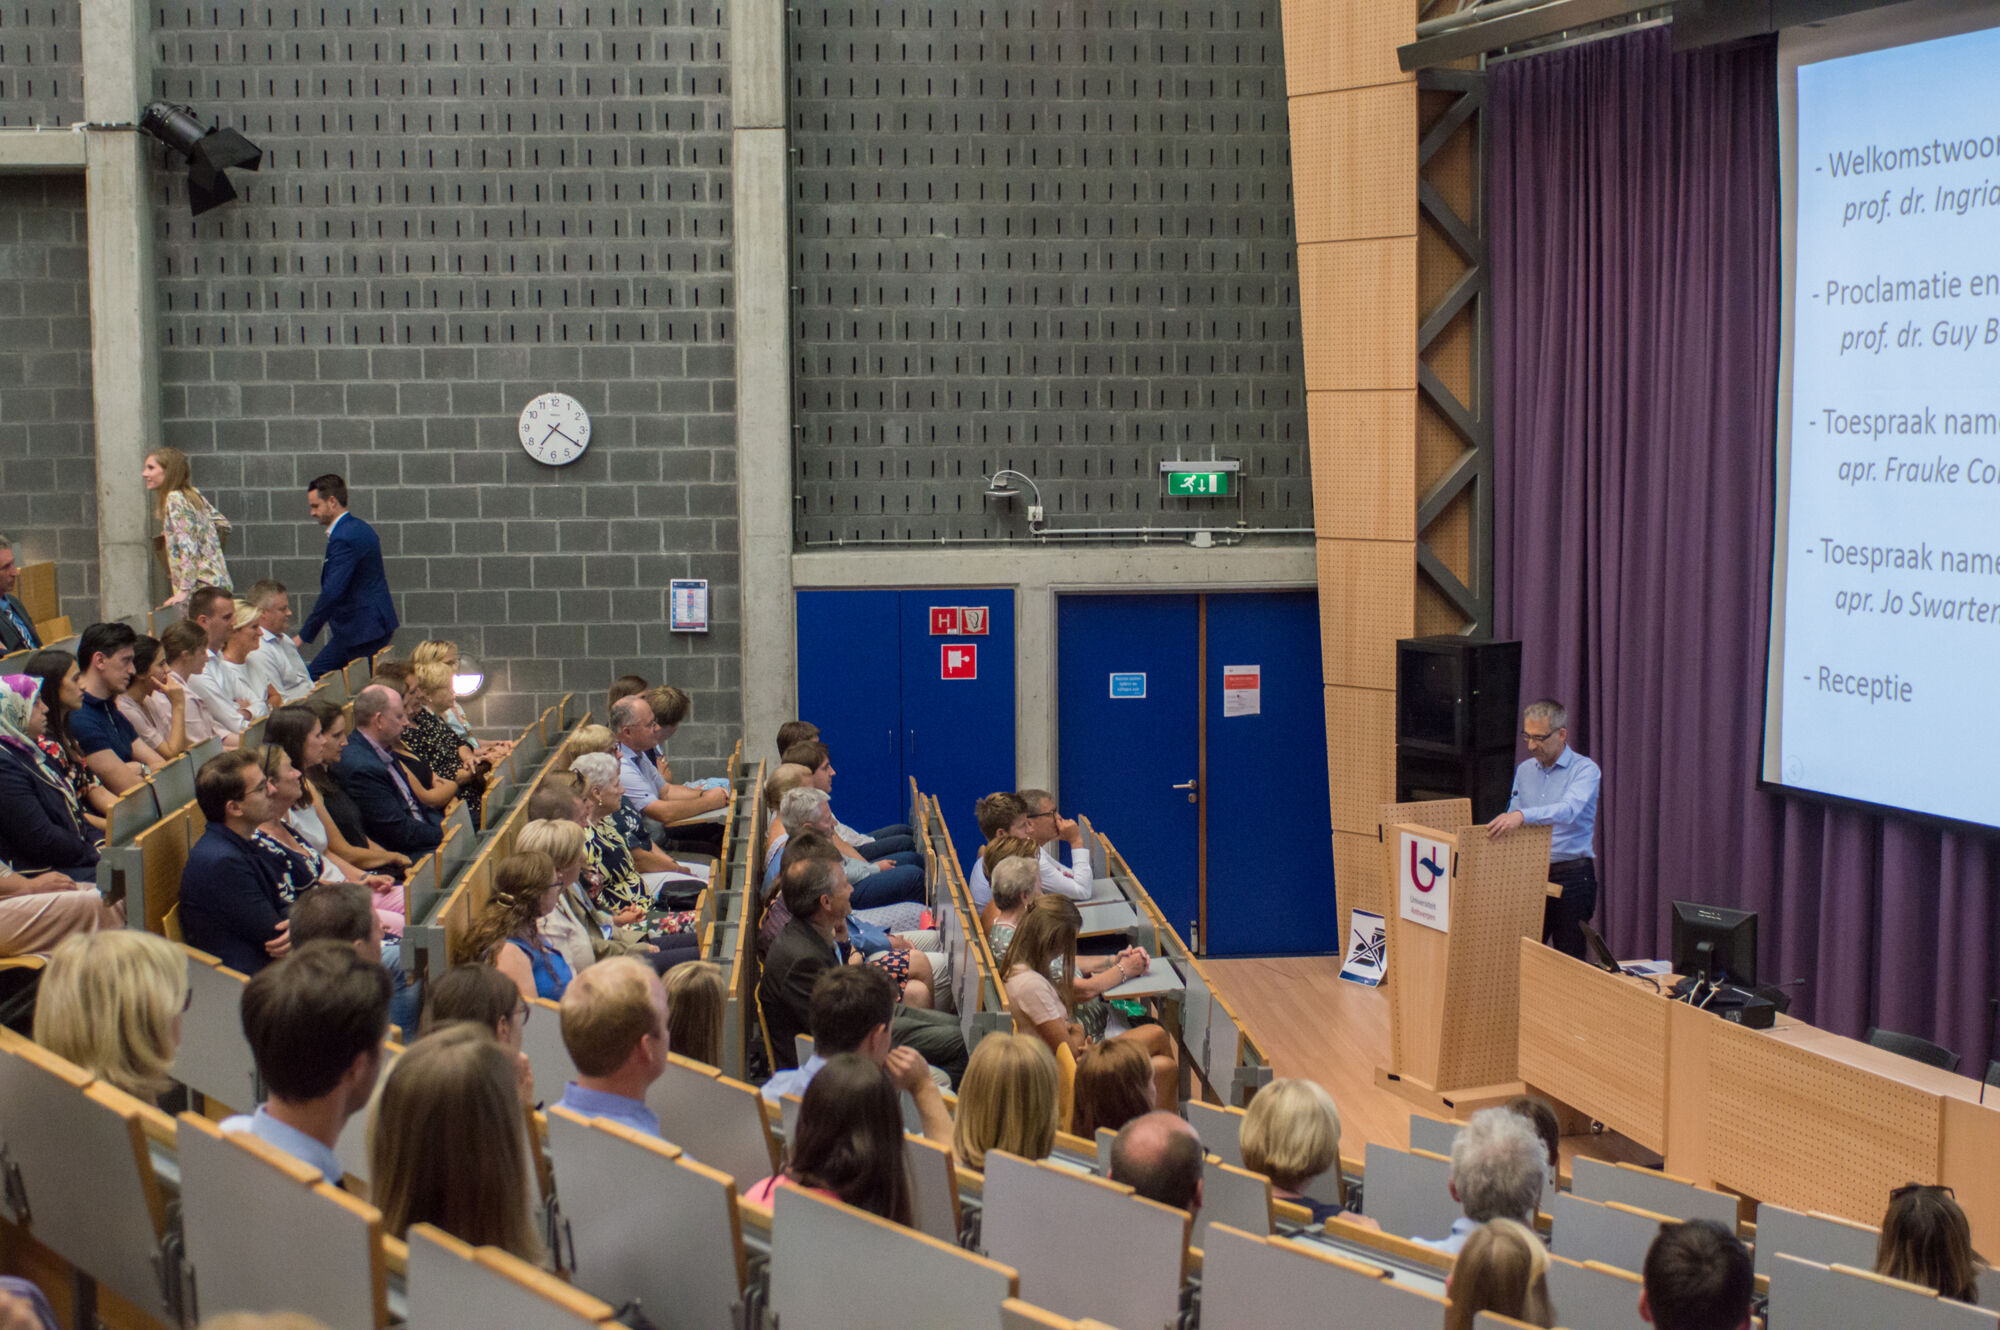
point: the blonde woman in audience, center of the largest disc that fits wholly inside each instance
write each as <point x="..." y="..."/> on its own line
<point x="505" y="933"/>
<point x="1925" y="1240"/>
<point x="1006" y="1101"/>
<point x="448" y="1145"/>
<point x="1114" y="1084"/>
<point x="435" y="743"/>
<point x="849" y="1142"/>
<point x="573" y="927"/>
<point x="1292" y="1136"/>
<point x="190" y="527"/>
<point x="155" y="702"/>
<point x="646" y="857"/>
<point x="111" y="1002"/>
<point x="438" y="652"/>
<point x="695" y="999"/>
<point x="1040" y="972"/>
<point x="487" y="998"/>
<point x="1502" y="1268"/>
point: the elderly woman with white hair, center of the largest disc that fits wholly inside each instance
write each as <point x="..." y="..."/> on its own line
<point x="622" y="886"/>
<point x="1498" y="1165"/>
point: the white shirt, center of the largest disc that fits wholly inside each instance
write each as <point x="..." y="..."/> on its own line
<point x="1076" y="883"/>
<point x="281" y="662"/>
<point x="215" y="688"/>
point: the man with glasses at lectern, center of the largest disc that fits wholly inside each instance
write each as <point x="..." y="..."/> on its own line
<point x="1557" y="788"/>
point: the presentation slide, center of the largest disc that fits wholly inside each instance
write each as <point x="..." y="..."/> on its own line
<point x="1885" y="664"/>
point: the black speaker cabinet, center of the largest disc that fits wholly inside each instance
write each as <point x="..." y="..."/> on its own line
<point x="1458" y="703"/>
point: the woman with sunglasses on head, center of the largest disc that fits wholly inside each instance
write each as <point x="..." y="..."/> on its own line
<point x="1926" y="1240"/>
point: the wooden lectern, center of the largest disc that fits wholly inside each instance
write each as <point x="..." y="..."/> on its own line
<point x="1454" y="995"/>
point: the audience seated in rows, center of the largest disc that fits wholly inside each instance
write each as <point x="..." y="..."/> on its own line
<point x="696" y="999"/>
<point x="232" y="902"/>
<point x="614" y="1024"/>
<point x="820" y="898"/>
<point x="1017" y="885"/>
<point x="1541" y="1115"/>
<point x="612" y="857"/>
<point x="1502" y="1268"/>
<point x="1159" y="1156"/>
<point x="110" y="743"/>
<point x="314" y="735"/>
<point x="449" y="1146"/>
<point x="47" y="827"/>
<point x="432" y="790"/>
<point x="345" y="912"/>
<point x="505" y="934"/>
<point x="581" y="925"/>
<point x="644" y="777"/>
<point x="876" y="882"/>
<point x="315" y="1022"/>
<point x="848" y="1143"/>
<point x="1498" y="1164"/>
<point x="486" y="997"/>
<point x="1007" y="1101"/>
<point x="1927" y="1240"/>
<point x="306" y="826"/>
<point x="913" y="957"/>
<point x="1045" y="945"/>
<point x="648" y="858"/>
<point x="155" y="703"/>
<point x="61" y="689"/>
<point x="1031" y="815"/>
<point x="441" y="651"/>
<point x="853" y="1011"/>
<point x="1697" y="1277"/>
<point x="1291" y="1135"/>
<point x="1114" y="1084"/>
<point x="111" y="1003"/>
<point x="391" y="814"/>
<point x="895" y="842"/>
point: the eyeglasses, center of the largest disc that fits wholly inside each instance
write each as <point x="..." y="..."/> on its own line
<point x="522" y="1013"/>
<point x="187" y="1000"/>
<point x="1538" y="738"/>
<point x="1909" y="1187"/>
<point x="1036" y="817"/>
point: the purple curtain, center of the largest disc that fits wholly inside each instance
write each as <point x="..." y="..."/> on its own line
<point x="1633" y="221"/>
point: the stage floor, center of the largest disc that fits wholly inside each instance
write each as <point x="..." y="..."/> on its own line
<point x="1311" y="1024"/>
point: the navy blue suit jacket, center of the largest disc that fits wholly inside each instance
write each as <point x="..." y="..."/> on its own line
<point x="384" y="815"/>
<point x="230" y="905"/>
<point x="354" y="597"/>
<point x="38" y="832"/>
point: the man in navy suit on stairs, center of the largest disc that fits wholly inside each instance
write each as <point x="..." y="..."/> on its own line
<point x="354" y="601"/>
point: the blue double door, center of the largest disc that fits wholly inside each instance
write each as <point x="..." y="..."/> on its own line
<point x="1193" y="732"/>
<point x="911" y="684"/>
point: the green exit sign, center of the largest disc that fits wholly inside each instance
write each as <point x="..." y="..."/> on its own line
<point x="1197" y="484"/>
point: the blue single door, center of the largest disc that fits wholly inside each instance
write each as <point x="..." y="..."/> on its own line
<point x="1270" y="853"/>
<point x="895" y="700"/>
<point x="1129" y="708"/>
<point x="850" y="685"/>
<point x="958" y="701"/>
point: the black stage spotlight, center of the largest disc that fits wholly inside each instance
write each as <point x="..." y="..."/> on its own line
<point x="209" y="152"/>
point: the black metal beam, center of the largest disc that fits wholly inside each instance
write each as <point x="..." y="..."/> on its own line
<point x="1477" y="38"/>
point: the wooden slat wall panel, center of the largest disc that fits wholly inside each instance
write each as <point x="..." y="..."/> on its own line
<point x="1361" y="750"/>
<point x="1367" y="593"/>
<point x="1350" y="163"/>
<point x="1333" y="44"/>
<point x="1364" y="485"/>
<point x="1358" y="300"/>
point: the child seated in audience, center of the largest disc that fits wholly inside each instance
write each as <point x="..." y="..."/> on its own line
<point x="505" y="935"/>
<point x="849" y="1142"/>
<point x="449" y="1144"/>
<point x="1045" y="943"/>
<point x="1925" y="1240"/>
<point x="1502" y="1268"/>
<point x="1292" y="1136"/>
<point x="487" y="998"/>
<point x="1114" y="1084"/>
<point x="695" y="1001"/>
<point x="1007" y="1100"/>
<point x="111" y="1003"/>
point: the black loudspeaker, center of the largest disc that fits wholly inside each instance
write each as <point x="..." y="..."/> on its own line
<point x="1458" y="706"/>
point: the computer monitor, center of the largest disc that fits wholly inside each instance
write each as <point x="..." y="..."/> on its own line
<point x="1715" y="943"/>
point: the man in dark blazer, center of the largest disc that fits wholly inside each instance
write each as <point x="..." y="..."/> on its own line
<point x="230" y="904"/>
<point x="17" y="630"/>
<point x="391" y="813"/>
<point x="354" y="602"/>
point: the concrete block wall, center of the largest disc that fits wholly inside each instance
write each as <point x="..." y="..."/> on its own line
<point x="1045" y="236"/>
<point x="48" y="502"/>
<point x="461" y="207"/>
<point x="41" y="63"/>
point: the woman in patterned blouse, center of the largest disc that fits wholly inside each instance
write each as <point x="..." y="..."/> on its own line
<point x="190" y="528"/>
<point x="62" y="693"/>
<point x="608" y="855"/>
<point x="427" y="735"/>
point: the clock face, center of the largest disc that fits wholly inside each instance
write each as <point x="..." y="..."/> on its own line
<point x="555" y="429"/>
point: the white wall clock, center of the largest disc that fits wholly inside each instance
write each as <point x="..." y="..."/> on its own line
<point x="555" y="429"/>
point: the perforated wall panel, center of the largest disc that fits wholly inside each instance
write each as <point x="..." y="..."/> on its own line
<point x="1046" y="236"/>
<point x="41" y="62"/>
<point x="462" y="206"/>
<point x="48" y="504"/>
